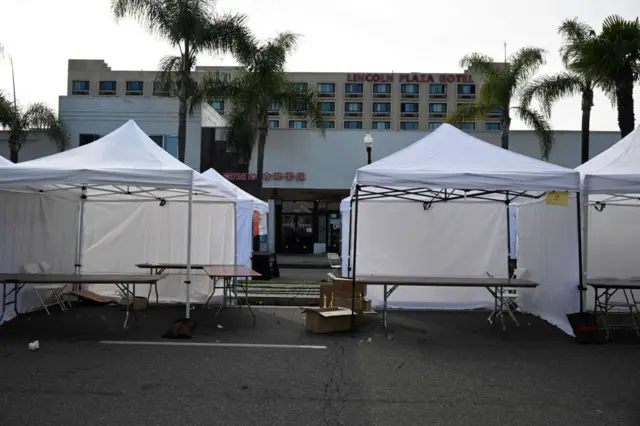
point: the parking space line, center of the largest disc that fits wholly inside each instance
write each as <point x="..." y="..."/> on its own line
<point x="207" y="344"/>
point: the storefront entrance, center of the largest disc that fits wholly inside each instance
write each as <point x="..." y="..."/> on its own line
<point x="307" y="227"/>
<point x="296" y="233"/>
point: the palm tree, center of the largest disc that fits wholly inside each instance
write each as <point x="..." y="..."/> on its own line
<point x="504" y="82"/>
<point x="612" y="61"/>
<point x="19" y="122"/>
<point x="194" y="28"/>
<point x="260" y="84"/>
<point x="549" y="89"/>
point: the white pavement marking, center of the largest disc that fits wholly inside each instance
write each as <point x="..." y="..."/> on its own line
<point x="203" y="344"/>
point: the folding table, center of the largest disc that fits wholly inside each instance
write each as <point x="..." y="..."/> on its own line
<point x="121" y="281"/>
<point x="230" y="273"/>
<point x="604" y="289"/>
<point x="493" y="285"/>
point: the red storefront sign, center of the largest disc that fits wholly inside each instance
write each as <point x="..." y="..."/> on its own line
<point x="277" y="176"/>
<point x="410" y="78"/>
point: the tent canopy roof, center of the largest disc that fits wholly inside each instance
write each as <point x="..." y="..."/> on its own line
<point x="124" y="162"/>
<point x="450" y="158"/>
<point x="5" y="162"/>
<point x="615" y="170"/>
<point x="239" y="194"/>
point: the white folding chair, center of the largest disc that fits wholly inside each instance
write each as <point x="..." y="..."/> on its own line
<point x="45" y="268"/>
<point x="334" y="262"/>
<point x="44" y="291"/>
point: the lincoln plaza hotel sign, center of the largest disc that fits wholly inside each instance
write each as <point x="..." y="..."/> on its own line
<point x="410" y="78"/>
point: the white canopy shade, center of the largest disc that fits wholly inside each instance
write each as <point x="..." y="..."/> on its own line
<point x="124" y="158"/>
<point x="5" y="162"/>
<point x="239" y="194"/>
<point x="616" y="170"/>
<point x="450" y="158"/>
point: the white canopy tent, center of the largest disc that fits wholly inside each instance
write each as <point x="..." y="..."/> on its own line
<point x="440" y="208"/>
<point x="611" y="184"/>
<point x="246" y="205"/>
<point x="5" y="162"/>
<point x="122" y="200"/>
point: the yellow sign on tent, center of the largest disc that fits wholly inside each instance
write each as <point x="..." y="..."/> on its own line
<point x="558" y="198"/>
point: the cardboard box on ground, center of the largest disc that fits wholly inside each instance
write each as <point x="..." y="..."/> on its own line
<point x="327" y="320"/>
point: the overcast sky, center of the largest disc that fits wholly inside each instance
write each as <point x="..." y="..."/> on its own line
<point x="337" y="35"/>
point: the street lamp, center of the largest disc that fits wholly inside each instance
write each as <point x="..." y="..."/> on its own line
<point x="368" y="144"/>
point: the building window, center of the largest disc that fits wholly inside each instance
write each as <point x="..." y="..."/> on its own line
<point x="329" y="124"/>
<point x="297" y="124"/>
<point x="410" y="90"/>
<point x="159" y="89"/>
<point x="409" y="109"/>
<point x="353" y="90"/>
<point x="168" y="143"/>
<point x="437" y="110"/>
<point x="353" y="124"/>
<point x="492" y="126"/>
<point x="466" y="91"/>
<point x="107" y="88"/>
<point x="494" y="113"/>
<point x="300" y="87"/>
<point x="80" y="87"/>
<point x="381" y="109"/>
<point x="381" y="125"/>
<point x="434" y="125"/>
<point x="274" y="124"/>
<point x="134" y="88"/>
<point x="353" y="109"/>
<point x="382" y="90"/>
<point x="327" y="108"/>
<point x="87" y="138"/>
<point x="274" y="109"/>
<point x="326" y="90"/>
<point x="218" y="106"/>
<point x="437" y="91"/>
<point x="409" y="125"/>
<point x="466" y="126"/>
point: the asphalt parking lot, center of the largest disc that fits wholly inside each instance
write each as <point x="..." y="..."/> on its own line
<point x="432" y="368"/>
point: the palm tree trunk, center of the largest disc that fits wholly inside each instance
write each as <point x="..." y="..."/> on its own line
<point x="587" y="104"/>
<point x="182" y="111"/>
<point x="262" y="141"/>
<point x="13" y="150"/>
<point x="505" y="125"/>
<point x="624" y="98"/>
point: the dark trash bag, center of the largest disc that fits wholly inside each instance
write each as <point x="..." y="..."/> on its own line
<point x="181" y="329"/>
<point x="585" y="327"/>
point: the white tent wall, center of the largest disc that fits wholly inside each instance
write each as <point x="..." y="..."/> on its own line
<point x="119" y="235"/>
<point x="456" y="238"/>
<point x="244" y="232"/>
<point x="613" y="244"/>
<point x="548" y="250"/>
<point x="34" y="228"/>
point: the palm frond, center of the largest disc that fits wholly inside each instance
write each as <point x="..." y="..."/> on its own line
<point x="574" y="34"/>
<point x="154" y="15"/>
<point x="226" y="34"/>
<point x="549" y="89"/>
<point x="540" y="126"/>
<point x="38" y="116"/>
<point x="522" y="66"/>
<point x="242" y="129"/>
<point x="301" y="103"/>
<point x="467" y="112"/>
<point x="480" y="63"/>
<point x="6" y="110"/>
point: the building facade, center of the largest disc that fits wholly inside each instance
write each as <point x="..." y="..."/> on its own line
<point x="382" y="101"/>
<point x="306" y="174"/>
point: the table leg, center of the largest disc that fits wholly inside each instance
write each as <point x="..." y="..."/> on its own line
<point x="126" y="318"/>
<point x="4" y="300"/>
<point x="246" y="294"/>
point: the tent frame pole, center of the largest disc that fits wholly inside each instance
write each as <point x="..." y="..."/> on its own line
<point x="581" y="266"/>
<point x="80" y="237"/>
<point x="355" y="257"/>
<point x="509" y="257"/>
<point x="188" y="280"/>
<point x="348" y="254"/>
